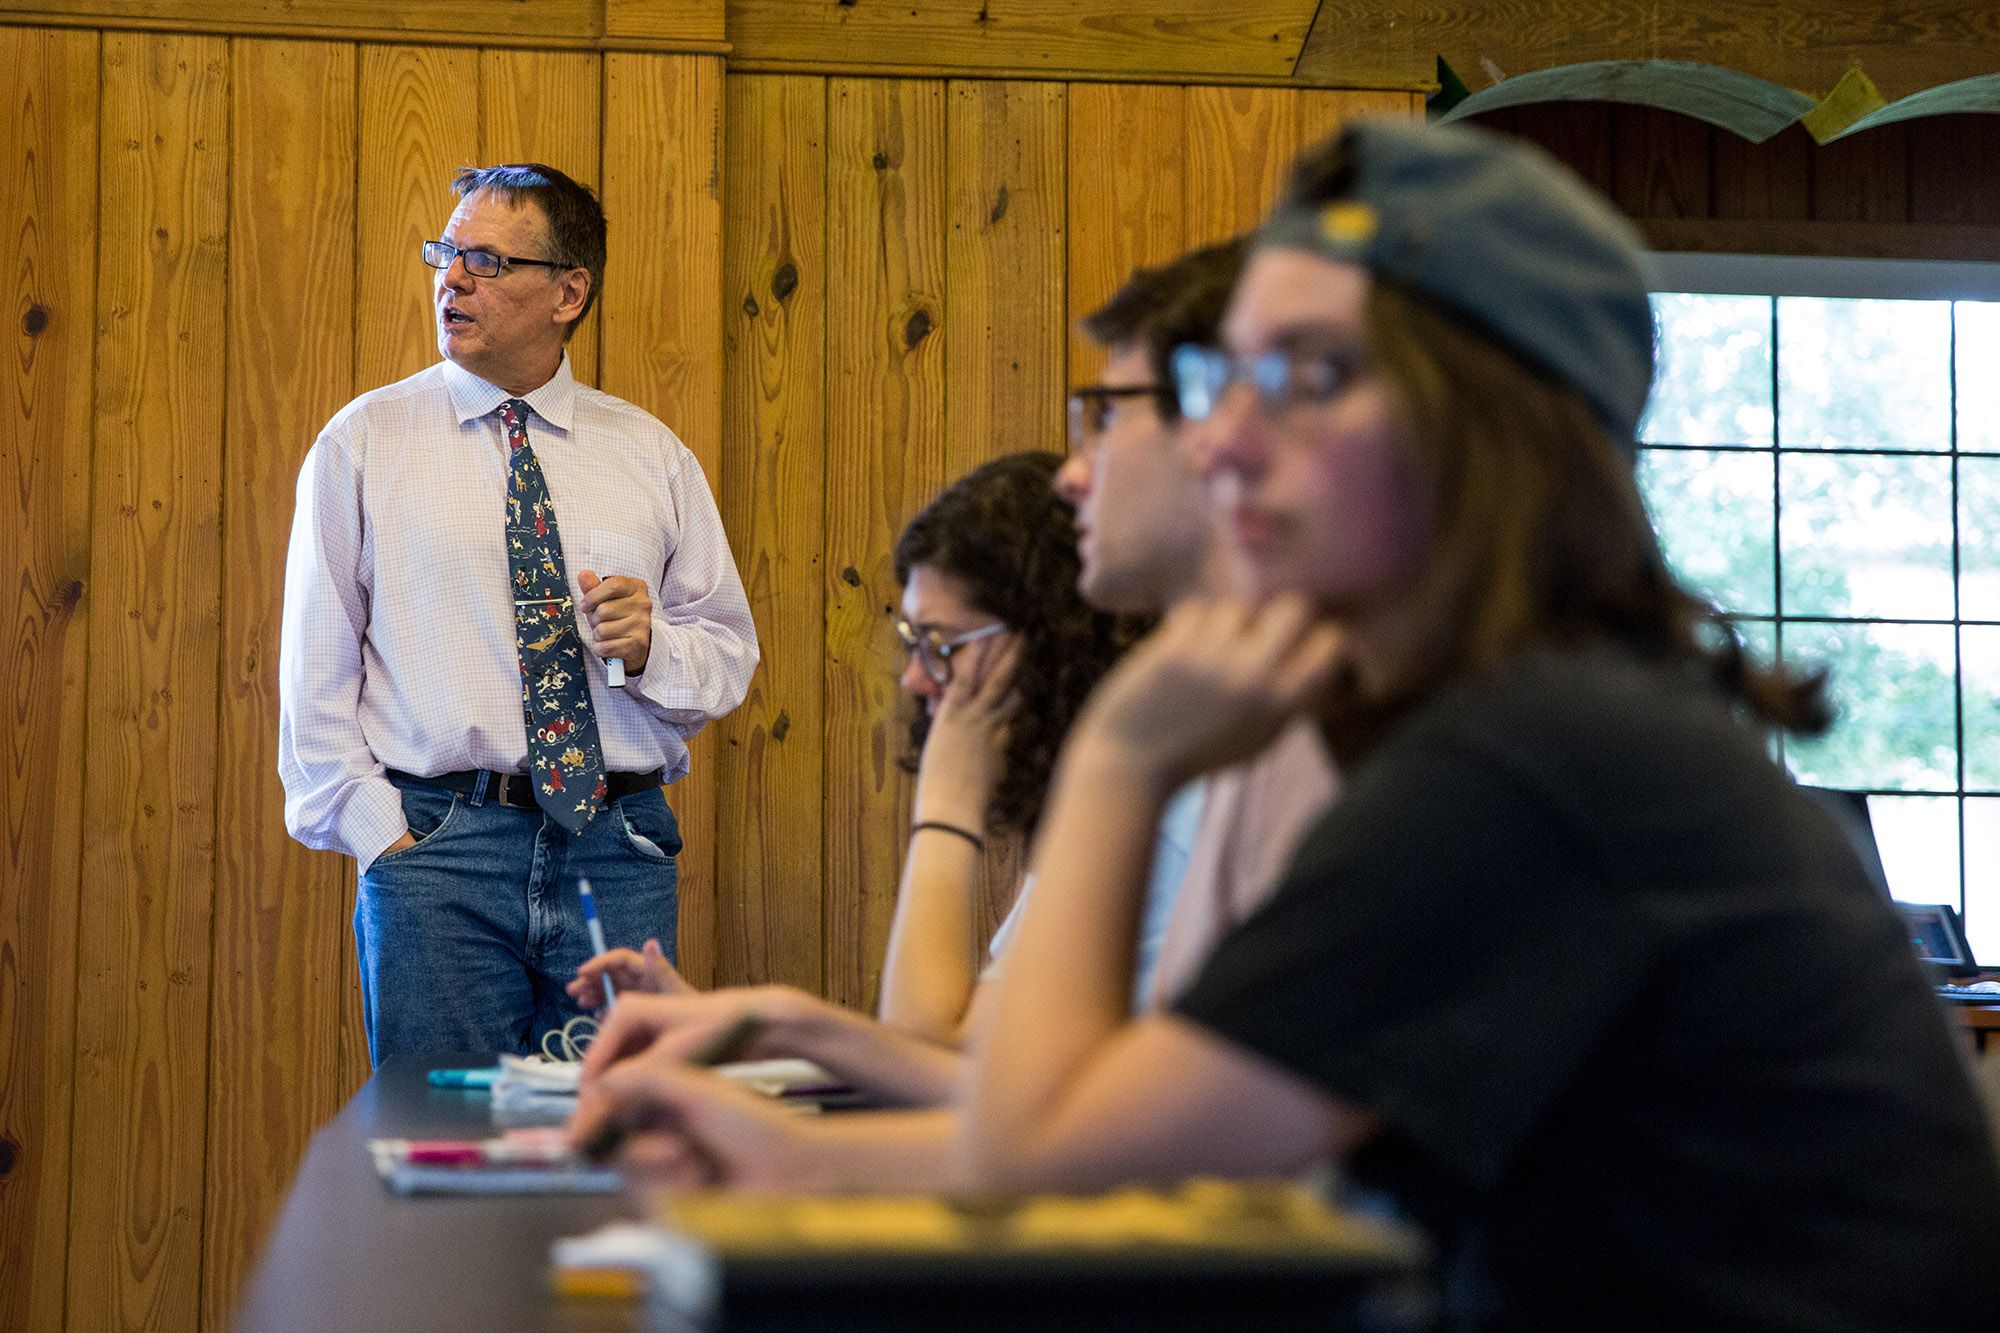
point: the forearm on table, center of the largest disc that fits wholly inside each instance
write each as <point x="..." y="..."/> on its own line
<point x="887" y="1065"/>
<point x="897" y="1151"/>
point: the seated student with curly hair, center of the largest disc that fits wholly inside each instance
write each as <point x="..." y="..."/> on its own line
<point x="1001" y="652"/>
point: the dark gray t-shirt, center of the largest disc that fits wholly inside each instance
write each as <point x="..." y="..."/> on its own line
<point x="1648" y="1048"/>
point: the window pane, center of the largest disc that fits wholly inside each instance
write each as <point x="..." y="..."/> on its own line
<point x="1982" y="877"/>
<point x="1979" y="537"/>
<point x="1714" y="516"/>
<point x="1978" y="386"/>
<point x="1866" y="536"/>
<point x="1980" y="646"/>
<point x="1713" y="384"/>
<point x="1892" y="685"/>
<point x="1918" y="839"/>
<point x="1864" y="374"/>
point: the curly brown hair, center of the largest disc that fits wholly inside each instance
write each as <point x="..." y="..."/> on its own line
<point x="1003" y="532"/>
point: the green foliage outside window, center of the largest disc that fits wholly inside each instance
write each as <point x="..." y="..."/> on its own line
<point x="1803" y="456"/>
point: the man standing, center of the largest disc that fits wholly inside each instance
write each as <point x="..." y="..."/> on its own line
<point x="508" y="604"/>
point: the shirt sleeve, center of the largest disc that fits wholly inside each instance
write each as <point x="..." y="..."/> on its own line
<point x="1441" y="954"/>
<point x="335" y="793"/>
<point x="704" y="640"/>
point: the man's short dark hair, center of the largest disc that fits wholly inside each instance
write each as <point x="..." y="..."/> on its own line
<point x="1160" y="308"/>
<point x="576" y="219"/>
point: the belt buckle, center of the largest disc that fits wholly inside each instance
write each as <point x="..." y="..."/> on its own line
<point x="518" y="790"/>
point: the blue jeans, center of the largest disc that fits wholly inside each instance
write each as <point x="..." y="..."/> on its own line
<point x="468" y="938"/>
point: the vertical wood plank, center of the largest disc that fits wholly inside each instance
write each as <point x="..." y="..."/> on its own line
<point x="769" y="774"/>
<point x="1863" y="178"/>
<point x="415" y="131"/>
<point x="885" y="451"/>
<point x="1768" y="182"/>
<point x="1005" y="299"/>
<point x="1662" y="164"/>
<point x="543" y="106"/>
<point x="1240" y="142"/>
<point x="148" y="849"/>
<point x="1126" y="163"/>
<point x="1578" y="134"/>
<point x="661" y="317"/>
<point x="275" y="1014"/>
<point x="1324" y="112"/>
<point x="1005" y="302"/>
<point x="1954" y="169"/>
<point x="48" y="195"/>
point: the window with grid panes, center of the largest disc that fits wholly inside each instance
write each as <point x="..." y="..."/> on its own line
<point x="1827" y="471"/>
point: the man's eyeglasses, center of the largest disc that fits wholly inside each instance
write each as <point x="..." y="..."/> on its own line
<point x="480" y="263"/>
<point x="1281" y="380"/>
<point x="934" y="651"/>
<point x="1090" y="407"/>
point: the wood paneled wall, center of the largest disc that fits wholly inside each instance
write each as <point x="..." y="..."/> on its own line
<point x="1923" y="189"/>
<point x="839" y="291"/>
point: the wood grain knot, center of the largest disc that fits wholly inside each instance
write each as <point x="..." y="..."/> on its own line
<point x="785" y="281"/>
<point x="851" y="577"/>
<point x="750" y="306"/>
<point x="782" y="727"/>
<point x="36" y="321"/>
<point x="881" y="161"/>
<point x="999" y="208"/>
<point x="917" y="328"/>
<point x="10" y="1153"/>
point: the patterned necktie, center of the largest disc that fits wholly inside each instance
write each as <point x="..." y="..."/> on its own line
<point x="564" y="759"/>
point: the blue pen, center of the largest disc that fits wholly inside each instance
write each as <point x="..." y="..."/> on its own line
<point x="596" y="929"/>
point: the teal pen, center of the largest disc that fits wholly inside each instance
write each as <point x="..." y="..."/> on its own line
<point x="596" y="929"/>
<point x="464" y="1078"/>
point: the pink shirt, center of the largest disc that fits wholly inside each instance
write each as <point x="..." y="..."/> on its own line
<point x="1252" y="821"/>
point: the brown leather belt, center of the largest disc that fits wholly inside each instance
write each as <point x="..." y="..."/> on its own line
<point x="517" y="790"/>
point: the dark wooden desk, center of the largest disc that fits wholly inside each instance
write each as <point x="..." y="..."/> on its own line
<point x="347" y="1255"/>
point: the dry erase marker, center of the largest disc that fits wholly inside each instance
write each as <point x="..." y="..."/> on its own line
<point x="484" y="1152"/>
<point x="464" y="1078"/>
<point x="596" y="929"/>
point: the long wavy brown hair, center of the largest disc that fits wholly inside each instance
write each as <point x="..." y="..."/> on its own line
<point x="1003" y="532"/>
<point x="1539" y="533"/>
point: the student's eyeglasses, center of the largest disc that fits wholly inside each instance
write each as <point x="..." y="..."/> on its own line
<point x="934" y="651"/>
<point x="1090" y="407"/>
<point x="480" y="263"/>
<point x="1280" y="379"/>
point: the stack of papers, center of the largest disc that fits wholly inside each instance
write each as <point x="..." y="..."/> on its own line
<point x="535" y="1090"/>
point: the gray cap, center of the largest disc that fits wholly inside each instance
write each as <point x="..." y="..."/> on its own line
<point x="1498" y="232"/>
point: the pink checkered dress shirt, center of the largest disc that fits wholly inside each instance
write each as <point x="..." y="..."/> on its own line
<point x="398" y="645"/>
